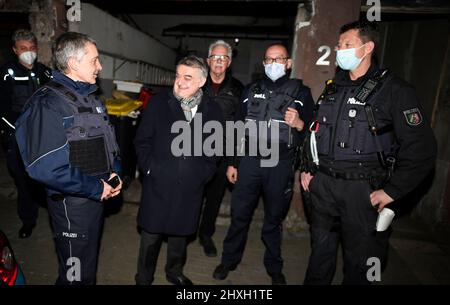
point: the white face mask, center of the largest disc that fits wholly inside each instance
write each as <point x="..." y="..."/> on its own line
<point x="28" y="57"/>
<point x="274" y="70"/>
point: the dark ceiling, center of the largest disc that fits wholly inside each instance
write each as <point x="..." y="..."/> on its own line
<point x="274" y="9"/>
<point x="229" y="31"/>
<point x="268" y="8"/>
<point x="285" y="10"/>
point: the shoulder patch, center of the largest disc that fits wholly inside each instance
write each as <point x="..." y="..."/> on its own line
<point x="413" y="116"/>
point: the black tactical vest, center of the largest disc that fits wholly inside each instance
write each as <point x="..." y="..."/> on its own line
<point x="92" y="142"/>
<point x="342" y="130"/>
<point x="24" y="85"/>
<point x="269" y="107"/>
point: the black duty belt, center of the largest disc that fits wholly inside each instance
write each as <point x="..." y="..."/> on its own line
<point x="368" y="175"/>
<point x="57" y="197"/>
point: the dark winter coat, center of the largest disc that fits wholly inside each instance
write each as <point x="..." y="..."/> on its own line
<point x="172" y="186"/>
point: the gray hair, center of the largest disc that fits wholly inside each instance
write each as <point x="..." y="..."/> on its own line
<point x="70" y="44"/>
<point x="195" y="62"/>
<point x="220" y="43"/>
<point x="22" y="34"/>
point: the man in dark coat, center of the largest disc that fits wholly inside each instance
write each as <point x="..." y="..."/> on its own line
<point x="226" y="91"/>
<point x="175" y="173"/>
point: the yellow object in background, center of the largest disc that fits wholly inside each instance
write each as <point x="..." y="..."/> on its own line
<point x="122" y="107"/>
<point x="116" y="94"/>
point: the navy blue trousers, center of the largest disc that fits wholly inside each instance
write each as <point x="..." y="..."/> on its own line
<point x="77" y="224"/>
<point x="275" y="184"/>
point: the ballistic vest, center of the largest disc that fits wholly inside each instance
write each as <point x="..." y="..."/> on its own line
<point x="268" y="107"/>
<point x="342" y="124"/>
<point x="92" y="141"/>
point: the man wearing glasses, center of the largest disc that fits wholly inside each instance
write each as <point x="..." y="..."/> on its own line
<point x="274" y="100"/>
<point x="226" y="91"/>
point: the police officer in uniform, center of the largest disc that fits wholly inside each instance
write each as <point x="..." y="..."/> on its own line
<point x="370" y="145"/>
<point x="286" y="103"/>
<point x="68" y="144"/>
<point x="19" y="80"/>
<point x="226" y="91"/>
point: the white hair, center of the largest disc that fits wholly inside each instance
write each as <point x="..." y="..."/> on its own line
<point x="220" y="43"/>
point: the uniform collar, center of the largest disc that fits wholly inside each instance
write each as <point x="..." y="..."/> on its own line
<point x="81" y="88"/>
<point x="24" y="69"/>
<point x="274" y="84"/>
<point x="343" y="76"/>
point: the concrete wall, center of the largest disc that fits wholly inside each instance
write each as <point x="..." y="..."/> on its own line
<point x="117" y="37"/>
<point x="314" y="59"/>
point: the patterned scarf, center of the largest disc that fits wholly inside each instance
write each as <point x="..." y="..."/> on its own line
<point x="188" y="103"/>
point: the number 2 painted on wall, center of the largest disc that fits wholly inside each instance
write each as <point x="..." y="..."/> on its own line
<point x="322" y="59"/>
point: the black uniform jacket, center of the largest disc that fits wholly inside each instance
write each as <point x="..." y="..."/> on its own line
<point x="395" y="103"/>
<point x="17" y="84"/>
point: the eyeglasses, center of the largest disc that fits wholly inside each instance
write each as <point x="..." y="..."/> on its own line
<point x="217" y="57"/>
<point x="278" y="60"/>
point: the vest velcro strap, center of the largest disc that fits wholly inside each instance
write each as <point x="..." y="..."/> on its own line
<point x="55" y="86"/>
<point x="85" y="110"/>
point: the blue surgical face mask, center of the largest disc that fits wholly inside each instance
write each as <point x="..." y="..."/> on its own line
<point x="274" y="70"/>
<point x="347" y="59"/>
